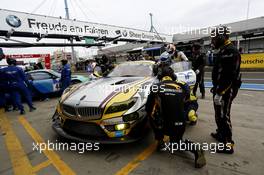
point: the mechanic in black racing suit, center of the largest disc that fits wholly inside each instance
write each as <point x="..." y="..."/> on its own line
<point x="226" y="78"/>
<point x="191" y="104"/>
<point x="105" y="64"/>
<point x="164" y="61"/>
<point x="165" y="110"/>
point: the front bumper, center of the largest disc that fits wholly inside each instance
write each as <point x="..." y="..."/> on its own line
<point x="133" y="136"/>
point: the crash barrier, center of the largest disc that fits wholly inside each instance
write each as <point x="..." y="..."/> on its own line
<point x="255" y="60"/>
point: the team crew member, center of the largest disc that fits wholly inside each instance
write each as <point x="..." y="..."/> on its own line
<point x="190" y="109"/>
<point x="65" y="75"/>
<point x="177" y="55"/>
<point x="226" y="79"/>
<point x="164" y="61"/>
<point x="198" y="63"/>
<point x="165" y="109"/>
<point x="17" y="83"/>
<point x="3" y="83"/>
<point x="106" y="65"/>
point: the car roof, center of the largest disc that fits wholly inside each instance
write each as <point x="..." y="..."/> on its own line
<point x="138" y="62"/>
<point x="40" y="70"/>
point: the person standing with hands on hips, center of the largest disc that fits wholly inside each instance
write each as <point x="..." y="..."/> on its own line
<point x="226" y="79"/>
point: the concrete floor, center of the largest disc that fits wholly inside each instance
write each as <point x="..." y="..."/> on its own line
<point x="136" y="158"/>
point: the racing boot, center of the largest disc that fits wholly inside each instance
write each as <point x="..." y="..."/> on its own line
<point x="200" y="160"/>
<point x="216" y="135"/>
<point x="228" y="148"/>
<point x="161" y="146"/>
<point x="32" y="109"/>
<point x="22" y="112"/>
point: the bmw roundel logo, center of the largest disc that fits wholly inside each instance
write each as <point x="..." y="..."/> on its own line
<point x="13" y="21"/>
<point x="124" y="33"/>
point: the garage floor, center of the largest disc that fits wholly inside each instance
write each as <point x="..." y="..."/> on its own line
<point x="19" y="134"/>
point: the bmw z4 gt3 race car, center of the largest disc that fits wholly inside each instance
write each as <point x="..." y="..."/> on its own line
<point x="111" y="109"/>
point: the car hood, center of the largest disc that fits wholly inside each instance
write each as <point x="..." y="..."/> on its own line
<point x="96" y="92"/>
<point x="79" y="77"/>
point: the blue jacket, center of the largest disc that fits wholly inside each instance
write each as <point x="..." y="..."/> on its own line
<point x="14" y="74"/>
<point x="3" y="80"/>
<point x="66" y="73"/>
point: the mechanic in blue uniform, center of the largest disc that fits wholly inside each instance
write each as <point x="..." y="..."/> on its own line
<point x="3" y="82"/>
<point x="16" y="83"/>
<point x="65" y="75"/>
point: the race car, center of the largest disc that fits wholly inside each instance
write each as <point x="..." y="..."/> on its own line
<point x="45" y="81"/>
<point x="110" y="109"/>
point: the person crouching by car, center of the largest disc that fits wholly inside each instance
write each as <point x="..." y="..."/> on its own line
<point x="190" y="109"/>
<point x="65" y="75"/>
<point x="165" y="110"/>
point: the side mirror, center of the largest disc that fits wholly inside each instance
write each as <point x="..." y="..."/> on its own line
<point x="97" y="71"/>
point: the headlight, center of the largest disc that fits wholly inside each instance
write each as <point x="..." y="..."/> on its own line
<point x="120" y="127"/>
<point x="121" y="106"/>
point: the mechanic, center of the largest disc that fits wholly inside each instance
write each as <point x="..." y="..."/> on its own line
<point x="226" y="80"/>
<point x="106" y="65"/>
<point x="165" y="110"/>
<point x="177" y="55"/>
<point x="164" y="61"/>
<point x="3" y="83"/>
<point x="65" y="75"/>
<point x="190" y="109"/>
<point x="191" y="105"/>
<point x="198" y="64"/>
<point x="16" y="83"/>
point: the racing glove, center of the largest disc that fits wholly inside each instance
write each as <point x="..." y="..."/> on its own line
<point x="218" y="99"/>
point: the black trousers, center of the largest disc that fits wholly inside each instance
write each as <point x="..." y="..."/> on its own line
<point x="223" y="117"/>
<point x="175" y="134"/>
<point x="200" y="83"/>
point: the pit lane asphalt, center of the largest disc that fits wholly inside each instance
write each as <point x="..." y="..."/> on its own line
<point x="137" y="158"/>
<point x="247" y="77"/>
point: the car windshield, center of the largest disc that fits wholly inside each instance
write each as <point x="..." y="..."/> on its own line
<point x="181" y="66"/>
<point x="132" y="70"/>
<point x="55" y="73"/>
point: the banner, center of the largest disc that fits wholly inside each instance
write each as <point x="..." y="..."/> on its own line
<point x="44" y="58"/>
<point x="255" y="60"/>
<point x="31" y="25"/>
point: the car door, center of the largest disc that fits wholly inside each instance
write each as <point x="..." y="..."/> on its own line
<point x="43" y="82"/>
